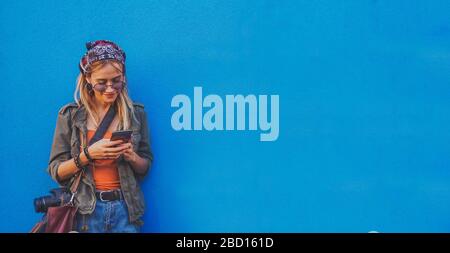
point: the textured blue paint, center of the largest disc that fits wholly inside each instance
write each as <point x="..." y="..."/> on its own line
<point x="364" y="109"/>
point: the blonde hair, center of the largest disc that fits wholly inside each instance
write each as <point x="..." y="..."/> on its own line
<point x="123" y="103"/>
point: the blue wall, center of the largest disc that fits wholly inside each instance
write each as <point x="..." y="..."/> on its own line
<point x="364" y="109"/>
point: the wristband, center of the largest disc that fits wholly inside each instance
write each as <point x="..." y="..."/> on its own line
<point x="88" y="156"/>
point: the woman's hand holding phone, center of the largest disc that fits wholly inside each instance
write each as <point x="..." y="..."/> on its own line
<point x="129" y="155"/>
<point x="128" y="152"/>
<point x="107" y="149"/>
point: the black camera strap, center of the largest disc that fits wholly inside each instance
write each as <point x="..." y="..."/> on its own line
<point x="101" y="130"/>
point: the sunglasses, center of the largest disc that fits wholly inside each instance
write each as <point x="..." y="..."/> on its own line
<point x="101" y="87"/>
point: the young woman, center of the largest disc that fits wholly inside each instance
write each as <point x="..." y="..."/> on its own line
<point x="109" y="198"/>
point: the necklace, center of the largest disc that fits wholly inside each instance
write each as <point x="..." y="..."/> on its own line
<point x="94" y="121"/>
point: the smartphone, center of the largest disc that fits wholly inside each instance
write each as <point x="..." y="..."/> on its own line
<point x="122" y="135"/>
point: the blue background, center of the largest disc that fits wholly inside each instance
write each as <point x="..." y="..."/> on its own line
<point x="364" y="109"/>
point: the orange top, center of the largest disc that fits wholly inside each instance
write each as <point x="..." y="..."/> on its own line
<point x="105" y="172"/>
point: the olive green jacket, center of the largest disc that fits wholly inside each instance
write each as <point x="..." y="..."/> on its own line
<point x="71" y="134"/>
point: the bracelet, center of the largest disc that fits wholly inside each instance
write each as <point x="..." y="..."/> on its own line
<point x="78" y="162"/>
<point x="88" y="156"/>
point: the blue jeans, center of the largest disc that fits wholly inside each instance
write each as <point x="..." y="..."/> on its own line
<point x="108" y="217"/>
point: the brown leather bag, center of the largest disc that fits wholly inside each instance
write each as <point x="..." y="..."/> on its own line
<point x="60" y="219"/>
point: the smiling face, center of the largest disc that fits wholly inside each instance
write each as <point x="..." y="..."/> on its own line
<point x="106" y="74"/>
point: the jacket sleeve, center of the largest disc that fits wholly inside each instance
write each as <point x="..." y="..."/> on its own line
<point x="144" y="149"/>
<point x="61" y="149"/>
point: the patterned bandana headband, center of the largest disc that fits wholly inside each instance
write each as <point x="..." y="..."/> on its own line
<point x="101" y="50"/>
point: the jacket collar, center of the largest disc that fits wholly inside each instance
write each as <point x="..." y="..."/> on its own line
<point x="80" y="116"/>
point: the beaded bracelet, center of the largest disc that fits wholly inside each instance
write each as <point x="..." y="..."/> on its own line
<point x="78" y="161"/>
